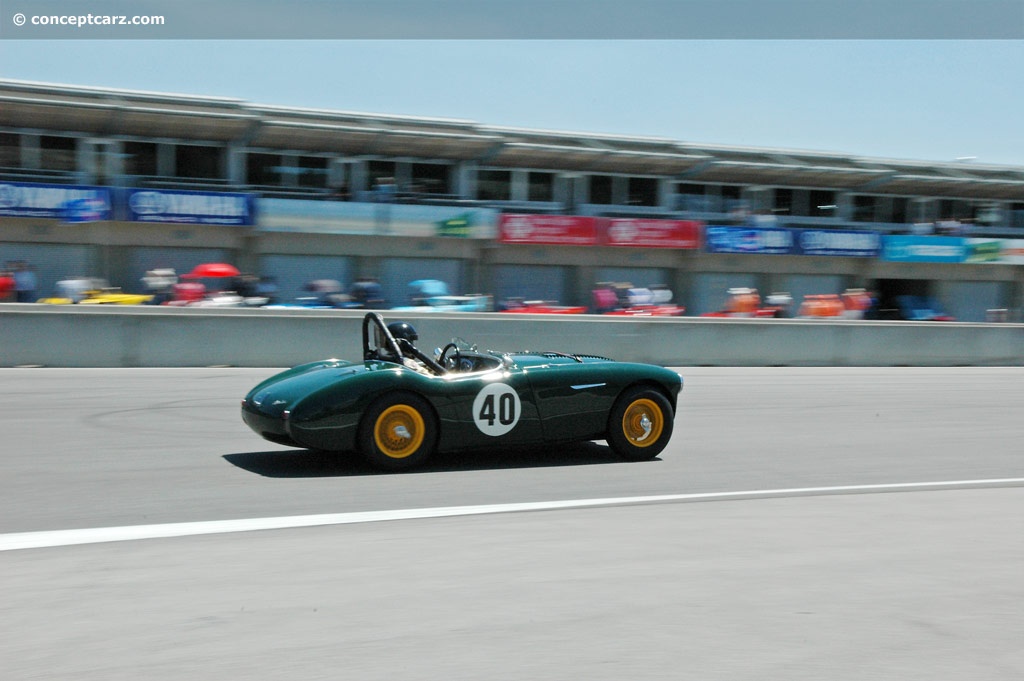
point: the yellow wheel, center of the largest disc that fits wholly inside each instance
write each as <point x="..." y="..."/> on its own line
<point x="640" y="424"/>
<point x="398" y="431"/>
<point x="643" y="422"/>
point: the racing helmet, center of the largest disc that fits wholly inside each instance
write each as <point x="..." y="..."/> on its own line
<point x="403" y="331"/>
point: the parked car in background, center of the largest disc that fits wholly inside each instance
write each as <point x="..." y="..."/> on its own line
<point x="624" y="299"/>
<point x="92" y="291"/>
<point x="821" y="306"/>
<point x="432" y="295"/>
<point x="921" y="309"/>
<point x="521" y="306"/>
<point x="475" y="302"/>
<point x="744" y="302"/>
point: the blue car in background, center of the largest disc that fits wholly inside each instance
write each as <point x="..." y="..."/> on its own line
<point x="432" y="295"/>
<point x="921" y="309"/>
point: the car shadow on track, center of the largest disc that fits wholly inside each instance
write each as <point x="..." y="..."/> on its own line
<point x="304" y="463"/>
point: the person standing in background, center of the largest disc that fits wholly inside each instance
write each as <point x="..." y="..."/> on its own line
<point x="6" y="284"/>
<point x="24" y="282"/>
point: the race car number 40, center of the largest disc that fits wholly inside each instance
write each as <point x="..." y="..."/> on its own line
<point x="496" y="409"/>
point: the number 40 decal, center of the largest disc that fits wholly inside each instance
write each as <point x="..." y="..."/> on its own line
<point x="496" y="409"/>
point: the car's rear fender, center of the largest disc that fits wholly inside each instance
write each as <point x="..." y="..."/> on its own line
<point x="328" y="417"/>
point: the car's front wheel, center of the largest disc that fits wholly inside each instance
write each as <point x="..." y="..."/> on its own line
<point x="398" y="431"/>
<point x="640" y="424"/>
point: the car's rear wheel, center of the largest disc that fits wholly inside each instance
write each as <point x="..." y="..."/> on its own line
<point x="640" y="424"/>
<point x="398" y="431"/>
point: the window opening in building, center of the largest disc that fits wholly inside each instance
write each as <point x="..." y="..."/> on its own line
<point x="379" y="173"/>
<point x="601" y="189"/>
<point x="139" y="158"/>
<point x="494" y="185"/>
<point x="732" y="198"/>
<point x="783" y="201"/>
<point x="10" y="150"/>
<point x="1017" y="214"/>
<point x="430" y="178"/>
<point x="541" y="186"/>
<point x="198" y="162"/>
<point x="900" y="210"/>
<point x="57" y="153"/>
<point x="691" y="197"/>
<point x="312" y="172"/>
<point x="822" y="204"/>
<point x="986" y="213"/>
<point x="643" y="191"/>
<point x="863" y="208"/>
<point x="262" y="169"/>
<point x="954" y="209"/>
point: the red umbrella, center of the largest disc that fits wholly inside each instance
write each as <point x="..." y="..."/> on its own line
<point x="212" y="269"/>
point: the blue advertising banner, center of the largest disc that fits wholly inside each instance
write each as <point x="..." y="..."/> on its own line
<point x="753" y="240"/>
<point x="911" y="248"/>
<point x="839" y="243"/>
<point x="58" y="201"/>
<point x="188" y="207"/>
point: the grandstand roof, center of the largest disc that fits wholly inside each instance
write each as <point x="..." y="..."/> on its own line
<point x="116" y="113"/>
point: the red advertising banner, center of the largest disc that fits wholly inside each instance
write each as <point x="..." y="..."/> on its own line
<point x="571" y="230"/>
<point x="649" y="233"/>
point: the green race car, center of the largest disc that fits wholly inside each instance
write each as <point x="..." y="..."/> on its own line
<point x="398" y="405"/>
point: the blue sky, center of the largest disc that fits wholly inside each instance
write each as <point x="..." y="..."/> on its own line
<point x="935" y="100"/>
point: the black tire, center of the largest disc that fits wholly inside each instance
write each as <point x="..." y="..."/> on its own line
<point x="398" y="431"/>
<point x="640" y="424"/>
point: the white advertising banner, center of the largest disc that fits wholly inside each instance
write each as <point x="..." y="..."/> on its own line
<point x="995" y="251"/>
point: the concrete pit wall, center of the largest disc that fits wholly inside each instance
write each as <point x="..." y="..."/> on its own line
<point x="141" y="336"/>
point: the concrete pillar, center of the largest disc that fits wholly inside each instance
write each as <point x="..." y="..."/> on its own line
<point x="1015" y="297"/>
<point x="844" y="206"/>
<point x="683" y="283"/>
<point x="666" y="194"/>
<point x="464" y="180"/>
<point x="585" y="276"/>
<point x="403" y="175"/>
<point x="801" y="202"/>
<point x="85" y="161"/>
<point x="583" y="189"/>
<point x="114" y="162"/>
<point x="520" y="189"/>
<point x="884" y="209"/>
<point x="358" y="179"/>
<point x="620" y="190"/>
<point x="289" y="176"/>
<point x="235" y="157"/>
<point x="165" y="161"/>
<point x="31" y="152"/>
<point x="337" y="175"/>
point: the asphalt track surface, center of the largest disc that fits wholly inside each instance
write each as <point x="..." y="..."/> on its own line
<point x="802" y="524"/>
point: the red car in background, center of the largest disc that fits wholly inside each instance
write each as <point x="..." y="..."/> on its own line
<point x="518" y="305"/>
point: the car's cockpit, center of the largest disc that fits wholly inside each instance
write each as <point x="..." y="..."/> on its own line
<point x="395" y="343"/>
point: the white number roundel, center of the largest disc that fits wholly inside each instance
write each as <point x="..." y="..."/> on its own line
<point x="496" y="409"/>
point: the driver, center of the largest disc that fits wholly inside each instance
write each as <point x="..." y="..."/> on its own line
<point x="405" y="334"/>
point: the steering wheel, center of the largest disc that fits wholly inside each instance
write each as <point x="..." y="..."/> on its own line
<point x="449" y="362"/>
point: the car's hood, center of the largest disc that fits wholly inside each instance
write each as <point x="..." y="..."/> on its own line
<point x="531" y="359"/>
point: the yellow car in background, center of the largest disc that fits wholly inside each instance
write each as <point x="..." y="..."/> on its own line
<point x="92" y="291"/>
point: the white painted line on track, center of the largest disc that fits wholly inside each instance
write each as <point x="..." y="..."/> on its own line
<point x="97" y="535"/>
